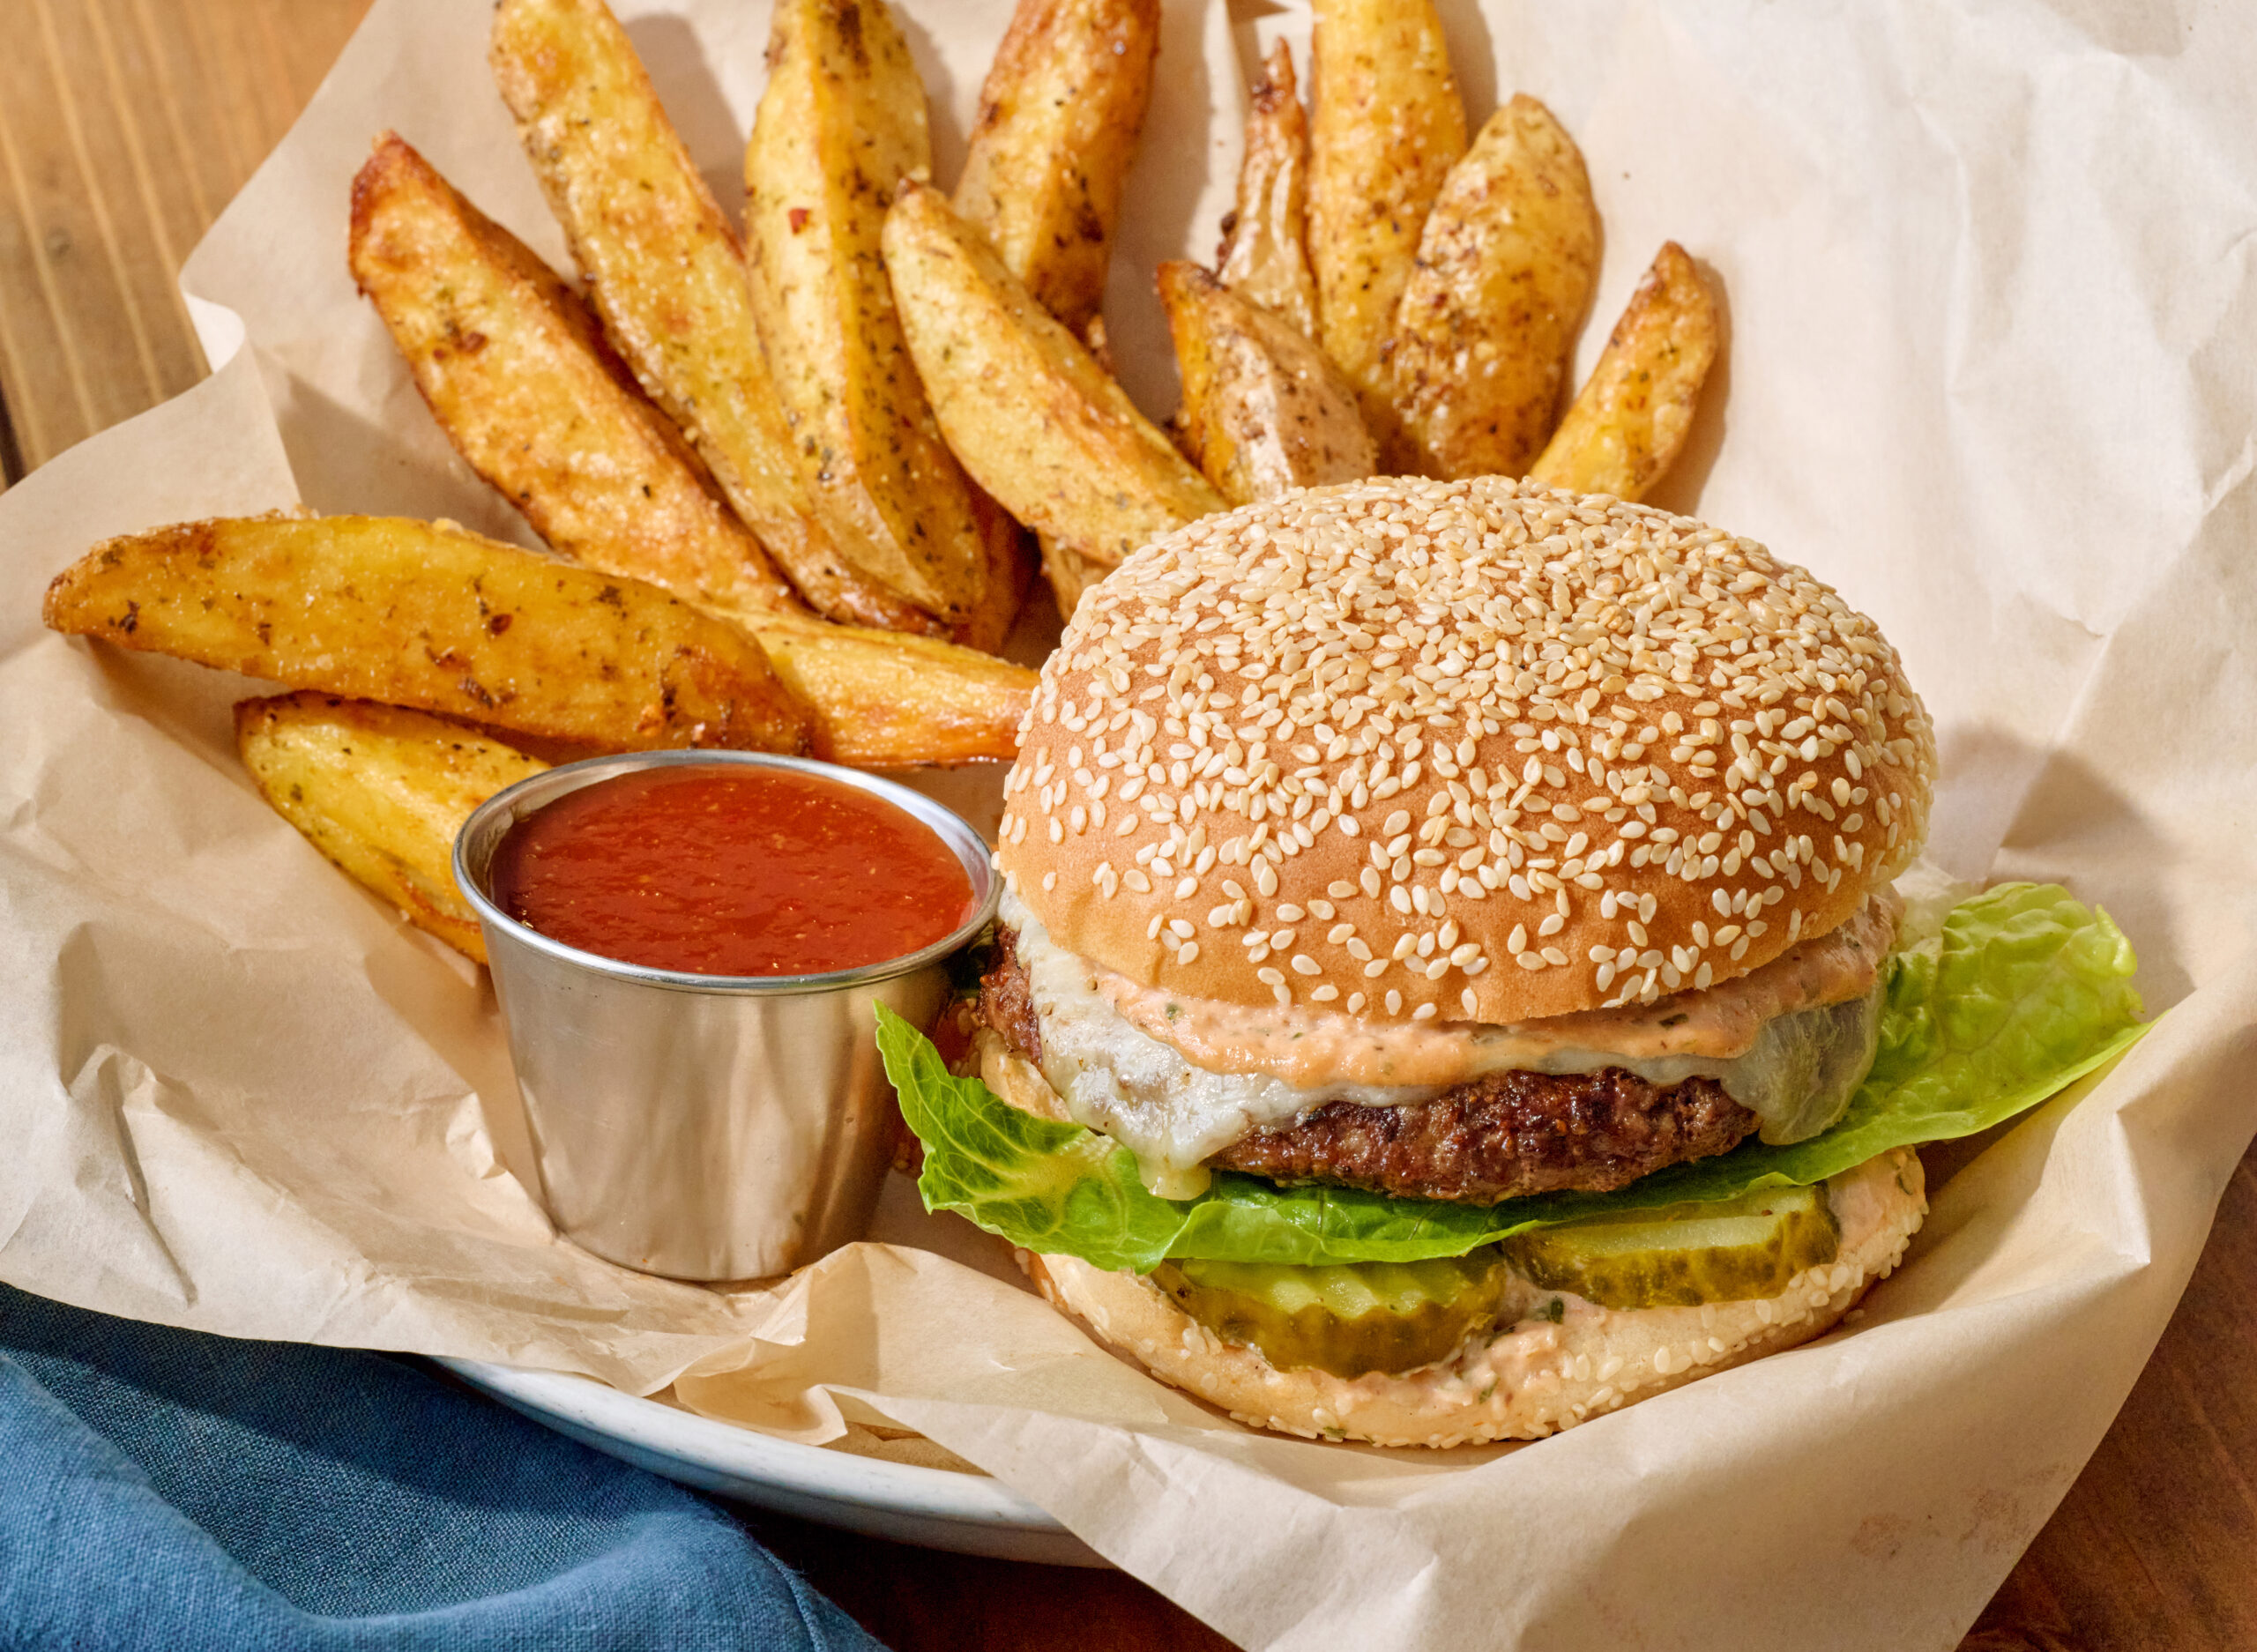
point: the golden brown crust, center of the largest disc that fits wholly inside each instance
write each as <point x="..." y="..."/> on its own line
<point x="840" y="127"/>
<point x="1609" y="754"/>
<point x="880" y="700"/>
<point x="381" y="791"/>
<point x="1068" y="572"/>
<point x="1041" y="425"/>
<point x="1635" y="412"/>
<point x="429" y="616"/>
<point x="1488" y="317"/>
<point x="1059" y="117"/>
<point x="1264" y="255"/>
<point x="513" y="366"/>
<point x="1011" y="567"/>
<point x="665" y="274"/>
<point x="1386" y="124"/>
<point x="1264" y="410"/>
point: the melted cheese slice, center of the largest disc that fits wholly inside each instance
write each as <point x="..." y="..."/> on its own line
<point x="1789" y="1042"/>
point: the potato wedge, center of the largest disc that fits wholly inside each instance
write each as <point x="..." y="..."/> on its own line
<point x="1264" y="253"/>
<point x="1386" y="128"/>
<point x="1505" y="274"/>
<point x="426" y="615"/>
<point x="1264" y="410"/>
<point x="1629" y="421"/>
<point x="1059" y="117"/>
<point x="665" y="274"/>
<point x="1038" y="423"/>
<point x="381" y="791"/>
<point x="1010" y="572"/>
<point x="885" y="701"/>
<point x="514" y="367"/>
<point x="1070" y="575"/>
<point x="840" y="128"/>
<point x="542" y="415"/>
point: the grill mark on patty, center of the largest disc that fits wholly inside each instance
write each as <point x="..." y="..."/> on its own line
<point x="1502" y="1136"/>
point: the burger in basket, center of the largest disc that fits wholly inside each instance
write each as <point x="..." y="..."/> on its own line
<point x="1451" y="980"/>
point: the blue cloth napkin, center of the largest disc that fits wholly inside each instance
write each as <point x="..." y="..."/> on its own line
<point x="163" y="1488"/>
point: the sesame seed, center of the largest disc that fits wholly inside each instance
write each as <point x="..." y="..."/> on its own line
<point x="1542" y="696"/>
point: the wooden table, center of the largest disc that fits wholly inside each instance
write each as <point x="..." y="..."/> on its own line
<point x="125" y="125"/>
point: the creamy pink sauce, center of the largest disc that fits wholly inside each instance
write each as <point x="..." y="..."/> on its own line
<point x="1307" y="1048"/>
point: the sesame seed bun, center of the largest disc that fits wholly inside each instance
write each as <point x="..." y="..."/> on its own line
<point x="1580" y="752"/>
<point x="1536" y="1378"/>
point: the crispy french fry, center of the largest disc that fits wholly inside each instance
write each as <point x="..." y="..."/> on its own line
<point x="426" y="615"/>
<point x="381" y="791"/>
<point x="885" y="701"/>
<point x="1629" y="421"/>
<point x="1387" y="125"/>
<point x="1038" y="423"/>
<point x="1504" y="276"/>
<point x="1059" y="117"/>
<point x="1264" y="253"/>
<point x="1264" y="410"/>
<point x="838" y="129"/>
<point x="514" y="367"/>
<point x="665" y="274"/>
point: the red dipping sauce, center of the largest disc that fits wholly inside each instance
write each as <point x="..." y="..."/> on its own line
<point x="731" y="869"/>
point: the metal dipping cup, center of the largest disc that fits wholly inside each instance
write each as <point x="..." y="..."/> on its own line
<point x="705" y="1126"/>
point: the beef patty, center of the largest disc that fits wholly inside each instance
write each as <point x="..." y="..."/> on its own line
<point x="1499" y="1136"/>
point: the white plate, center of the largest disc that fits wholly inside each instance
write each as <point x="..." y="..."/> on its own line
<point x="936" y="1509"/>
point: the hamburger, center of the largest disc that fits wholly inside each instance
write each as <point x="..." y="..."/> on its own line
<point x="1450" y="979"/>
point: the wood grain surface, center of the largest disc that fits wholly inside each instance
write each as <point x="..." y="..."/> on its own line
<point x="126" y="125"/>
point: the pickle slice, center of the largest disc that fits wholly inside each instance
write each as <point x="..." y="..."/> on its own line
<point x="1682" y="1256"/>
<point x="1350" y="1319"/>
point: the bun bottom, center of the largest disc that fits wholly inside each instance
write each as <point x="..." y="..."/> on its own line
<point x="1534" y="1379"/>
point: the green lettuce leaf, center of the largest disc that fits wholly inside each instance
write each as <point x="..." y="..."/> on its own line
<point x="1046" y="1186"/>
<point x="2023" y="993"/>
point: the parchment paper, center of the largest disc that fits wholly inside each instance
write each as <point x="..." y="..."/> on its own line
<point x="1992" y="318"/>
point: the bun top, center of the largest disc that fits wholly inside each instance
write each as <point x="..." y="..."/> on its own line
<point x="1476" y="750"/>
